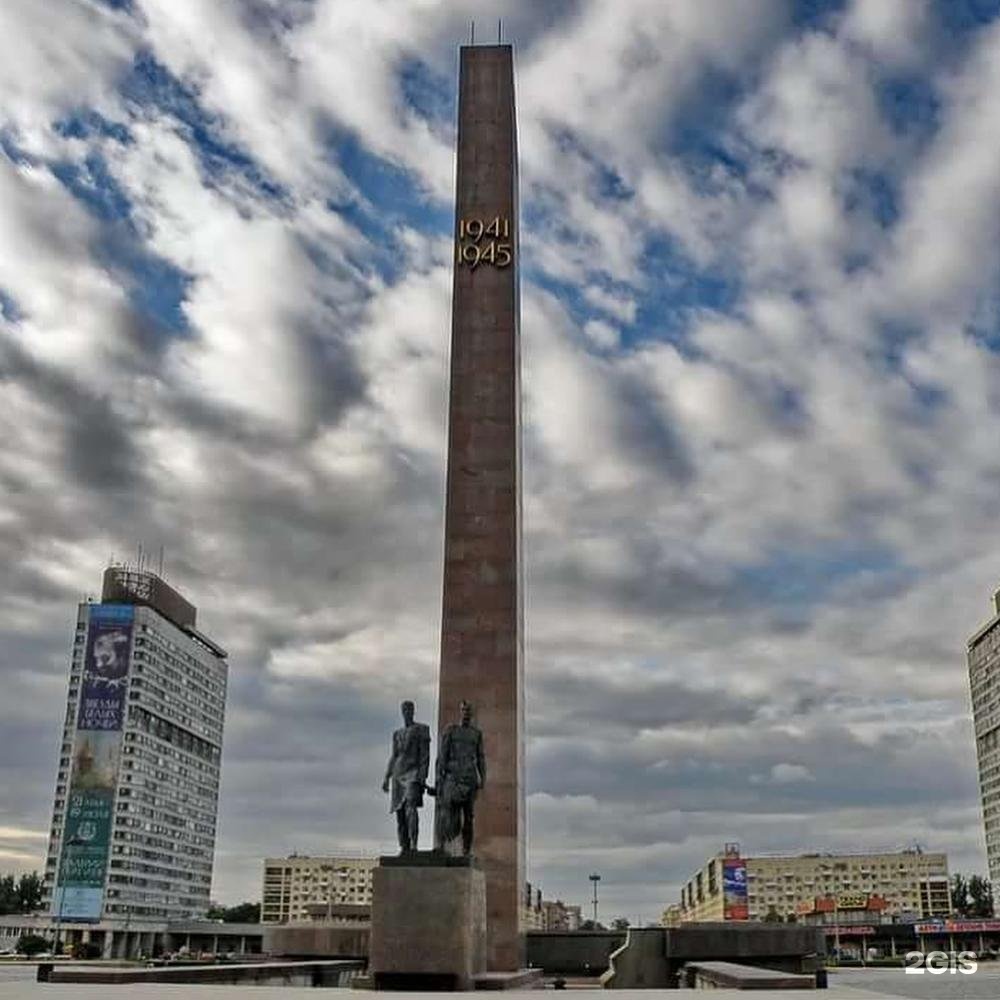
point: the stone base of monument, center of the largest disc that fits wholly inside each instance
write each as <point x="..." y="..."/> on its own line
<point x="428" y="929"/>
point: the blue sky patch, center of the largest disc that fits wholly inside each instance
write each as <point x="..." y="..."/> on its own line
<point x="430" y="94"/>
<point x="910" y="104"/>
<point x="390" y="199"/>
<point x="91" y="183"/>
<point x="86" y="123"/>
<point x="965" y="15"/>
<point x="676" y="288"/>
<point x="9" y="308"/>
<point x="800" y="578"/>
<point x="157" y="289"/>
<point x="151" y="84"/>
<point x="811" y="14"/>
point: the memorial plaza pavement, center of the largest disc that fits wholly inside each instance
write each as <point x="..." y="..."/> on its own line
<point x="846" y="984"/>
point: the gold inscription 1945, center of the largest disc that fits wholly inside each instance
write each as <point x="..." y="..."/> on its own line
<point x="479" y="242"/>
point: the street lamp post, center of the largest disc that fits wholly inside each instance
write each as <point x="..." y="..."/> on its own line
<point x="836" y="927"/>
<point x="595" y="878"/>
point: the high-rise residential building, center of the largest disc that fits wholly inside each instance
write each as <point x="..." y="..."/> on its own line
<point x="983" y="651"/>
<point x="903" y="884"/>
<point x="137" y="789"/>
<point x="296" y="885"/>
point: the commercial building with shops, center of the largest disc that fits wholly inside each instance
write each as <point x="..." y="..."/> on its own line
<point x="983" y="653"/>
<point x="857" y="925"/>
<point x="132" y="838"/>
<point x="958" y="935"/>
<point x="913" y="884"/>
<point x="296" y="885"/>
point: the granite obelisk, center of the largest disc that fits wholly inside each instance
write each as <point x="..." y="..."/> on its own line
<point x="481" y="637"/>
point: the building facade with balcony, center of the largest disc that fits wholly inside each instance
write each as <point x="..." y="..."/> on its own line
<point x="983" y="655"/>
<point x="132" y="837"/>
<point x="912" y="883"/>
<point x="297" y="887"/>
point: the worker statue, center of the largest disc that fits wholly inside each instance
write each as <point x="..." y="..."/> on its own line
<point x="460" y="774"/>
<point x="406" y="774"/>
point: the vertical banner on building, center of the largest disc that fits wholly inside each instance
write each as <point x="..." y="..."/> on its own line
<point x="734" y="889"/>
<point x="96" y="753"/>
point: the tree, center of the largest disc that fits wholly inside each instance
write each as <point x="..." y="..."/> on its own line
<point x="592" y="925"/>
<point x="773" y="916"/>
<point x="971" y="896"/>
<point x="20" y="895"/>
<point x="959" y="894"/>
<point x="242" y="913"/>
<point x="620" y="924"/>
<point x="8" y="894"/>
<point x="980" y="897"/>
<point x="31" y="944"/>
<point x="29" y="892"/>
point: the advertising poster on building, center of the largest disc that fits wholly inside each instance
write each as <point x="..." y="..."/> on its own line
<point x="105" y="668"/>
<point x="734" y="889"/>
<point x="94" y="774"/>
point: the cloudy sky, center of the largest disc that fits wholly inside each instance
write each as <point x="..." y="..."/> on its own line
<point x="761" y="329"/>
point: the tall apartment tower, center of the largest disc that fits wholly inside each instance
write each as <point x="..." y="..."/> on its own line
<point x="984" y="681"/>
<point x="137" y="791"/>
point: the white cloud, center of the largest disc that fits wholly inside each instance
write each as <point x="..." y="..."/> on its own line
<point x="896" y="32"/>
<point x="602" y="334"/>
<point x="56" y="58"/>
<point x="620" y="308"/>
<point x="754" y="525"/>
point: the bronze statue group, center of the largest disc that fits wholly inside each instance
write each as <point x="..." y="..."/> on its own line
<point x="459" y="775"/>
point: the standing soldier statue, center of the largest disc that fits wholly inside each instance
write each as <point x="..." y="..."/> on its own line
<point x="407" y="772"/>
<point x="461" y="772"/>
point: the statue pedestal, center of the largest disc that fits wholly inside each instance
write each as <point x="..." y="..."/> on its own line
<point x="428" y="922"/>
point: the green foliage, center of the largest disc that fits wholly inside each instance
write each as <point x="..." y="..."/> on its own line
<point x="20" y="895"/>
<point x="31" y="944"/>
<point x="972" y="896"/>
<point x="959" y="894"/>
<point x="980" y="897"/>
<point x="592" y="925"/>
<point x="620" y="924"/>
<point x="773" y="916"/>
<point x="242" y="913"/>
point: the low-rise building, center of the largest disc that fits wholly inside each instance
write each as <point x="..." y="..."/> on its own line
<point x="540" y="914"/>
<point x="557" y="916"/>
<point x="109" y="938"/>
<point x="295" y="886"/>
<point x="913" y="884"/>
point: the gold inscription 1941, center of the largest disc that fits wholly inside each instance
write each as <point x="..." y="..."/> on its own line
<point x="479" y="242"/>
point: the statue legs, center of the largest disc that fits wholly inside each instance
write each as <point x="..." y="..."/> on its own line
<point x="407" y="827"/>
<point x="451" y="820"/>
<point x="467" y="827"/>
